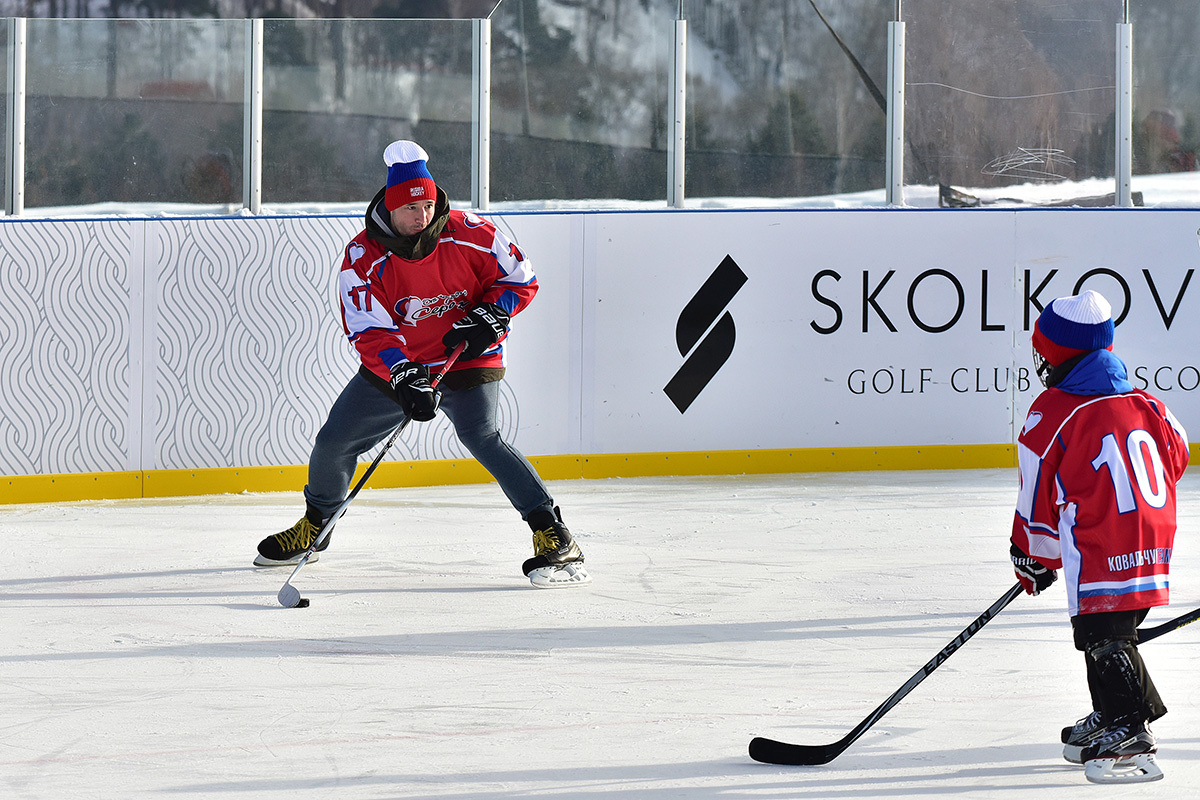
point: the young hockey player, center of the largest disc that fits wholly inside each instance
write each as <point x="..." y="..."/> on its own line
<point x="1098" y="463"/>
<point x="418" y="280"/>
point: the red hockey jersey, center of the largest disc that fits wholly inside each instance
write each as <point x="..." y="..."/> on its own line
<point x="1097" y="496"/>
<point x="395" y="309"/>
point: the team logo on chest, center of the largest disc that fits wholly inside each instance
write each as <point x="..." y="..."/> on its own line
<point x="411" y="310"/>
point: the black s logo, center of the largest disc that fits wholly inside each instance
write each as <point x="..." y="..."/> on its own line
<point x="710" y="354"/>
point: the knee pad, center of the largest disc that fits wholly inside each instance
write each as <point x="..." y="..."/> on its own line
<point x="1119" y="668"/>
<point x="1105" y="649"/>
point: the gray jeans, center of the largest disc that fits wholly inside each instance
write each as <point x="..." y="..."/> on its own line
<point x="363" y="416"/>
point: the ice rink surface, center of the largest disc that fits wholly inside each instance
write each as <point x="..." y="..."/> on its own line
<point x="143" y="656"/>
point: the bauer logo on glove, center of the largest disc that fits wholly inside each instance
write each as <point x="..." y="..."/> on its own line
<point x="414" y="391"/>
<point x="480" y="328"/>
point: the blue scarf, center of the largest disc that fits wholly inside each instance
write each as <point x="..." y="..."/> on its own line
<point x="1100" y="372"/>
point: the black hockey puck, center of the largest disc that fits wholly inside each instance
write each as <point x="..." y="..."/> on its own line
<point x="303" y="603"/>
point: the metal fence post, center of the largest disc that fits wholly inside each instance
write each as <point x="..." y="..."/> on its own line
<point x="677" y="119"/>
<point x="253" y="133"/>
<point x="1123" y="158"/>
<point x="481" y="113"/>
<point x="14" y="152"/>
<point x="894" y="189"/>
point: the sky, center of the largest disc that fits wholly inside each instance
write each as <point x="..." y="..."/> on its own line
<point x="144" y="657"/>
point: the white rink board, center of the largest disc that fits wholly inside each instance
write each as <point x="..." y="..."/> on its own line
<point x="159" y="343"/>
<point x="955" y="370"/>
<point x="786" y="384"/>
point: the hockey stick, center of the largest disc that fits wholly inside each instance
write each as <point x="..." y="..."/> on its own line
<point x="872" y="87"/>
<point x="770" y="751"/>
<point x="289" y="596"/>
<point x="1146" y="634"/>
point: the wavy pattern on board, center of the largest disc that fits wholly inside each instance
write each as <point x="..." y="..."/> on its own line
<point x="23" y="421"/>
<point x="65" y="322"/>
<point x="194" y="313"/>
<point x="103" y="338"/>
<point x="245" y="363"/>
<point x="242" y="343"/>
<point x="317" y="360"/>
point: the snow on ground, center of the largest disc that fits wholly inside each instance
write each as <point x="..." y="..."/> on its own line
<point x="1178" y="190"/>
<point x="143" y="656"/>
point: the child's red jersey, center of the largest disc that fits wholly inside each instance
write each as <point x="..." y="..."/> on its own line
<point x="1097" y="497"/>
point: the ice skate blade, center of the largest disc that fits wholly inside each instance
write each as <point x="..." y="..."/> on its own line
<point x="560" y="576"/>
<point x="1141" y="768"/>
<point x="262" y="561"/>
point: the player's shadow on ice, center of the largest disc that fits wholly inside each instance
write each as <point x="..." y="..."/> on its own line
<point x="180" y="585"/>
<point x="869" y="773"/>
<point x="507" y="640"/>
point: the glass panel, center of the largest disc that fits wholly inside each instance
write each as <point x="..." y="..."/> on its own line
<point x="134" y="111"/>
<point x="1166" y="101"/>
<point x="775" y="107"/>
<point x="579" y="100"/>
<point x="1011" y="94"/>
<point x="432" y="9"/>
<point x="337" y="92"/>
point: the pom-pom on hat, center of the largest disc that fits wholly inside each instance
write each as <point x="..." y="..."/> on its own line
<point x="408" y="178"/>
<point x="1074" y="325"/>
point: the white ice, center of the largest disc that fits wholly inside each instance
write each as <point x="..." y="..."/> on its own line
<point x="143" y="656"/>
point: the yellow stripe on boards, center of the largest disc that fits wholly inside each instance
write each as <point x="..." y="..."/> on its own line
<point x="399" y="474"/>
<point x="834" y="459"/>
<point x="70" y="487"/>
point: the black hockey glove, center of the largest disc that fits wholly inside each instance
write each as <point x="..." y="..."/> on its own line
<point x="480" y="328"/>
<point x="417" y="395"/>
<point x="1034" y="577"/>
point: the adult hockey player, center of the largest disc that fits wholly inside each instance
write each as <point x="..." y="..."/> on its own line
<point x="418" y="280"/>
<point x="1098" y="464"/>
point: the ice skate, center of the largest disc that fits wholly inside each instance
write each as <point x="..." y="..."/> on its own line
<point x="1123" y="754"/>
<point x="557" y="560"/>
<point x="286" y="547"/>
<point x="1078" y="736"/>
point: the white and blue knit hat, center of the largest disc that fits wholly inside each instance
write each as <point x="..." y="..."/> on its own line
<point x="408" y="178"/>
<point x="1074" y="325"/>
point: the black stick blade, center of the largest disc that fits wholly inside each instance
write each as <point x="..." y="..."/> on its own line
<point x="1146" y="634"/>
<point x="769" y="751"/>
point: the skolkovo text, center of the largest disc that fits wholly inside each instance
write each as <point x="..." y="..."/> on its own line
<point x="980" y="380"/>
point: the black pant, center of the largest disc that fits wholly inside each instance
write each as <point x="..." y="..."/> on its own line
<point x="1120" y="686"/>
